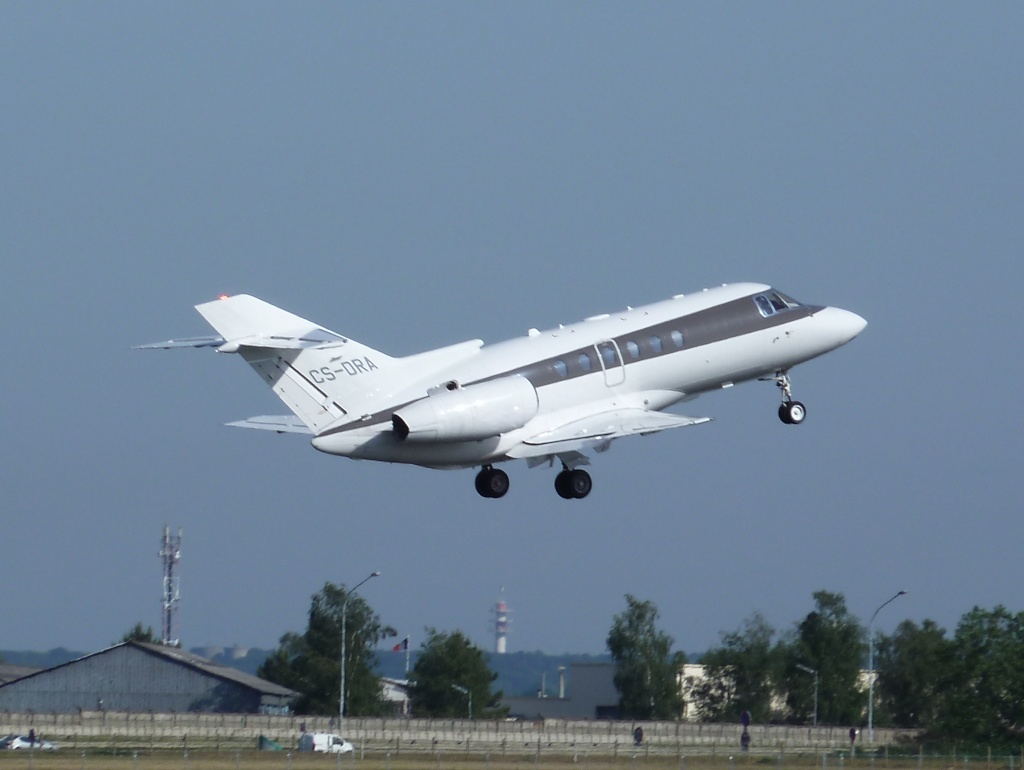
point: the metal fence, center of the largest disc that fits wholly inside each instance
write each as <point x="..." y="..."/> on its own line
<point x="151" y="731"/>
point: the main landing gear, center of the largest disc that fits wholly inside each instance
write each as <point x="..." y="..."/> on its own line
<point x="790" y="412"/>
<point x="573" y="484"/>
<point x="491" y="482"/>
<point x="570" y="484"/>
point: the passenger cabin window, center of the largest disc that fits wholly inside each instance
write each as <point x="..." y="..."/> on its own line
<point x="560" y="367"/>
<point x="677" y="338"/>
<point x="585" y="362"/>
<point x="634" y="350"/>
<point x="608" y="354"/>
<point x="655" y="343"/>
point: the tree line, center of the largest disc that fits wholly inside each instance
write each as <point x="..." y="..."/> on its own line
<point x="966" y="688"/>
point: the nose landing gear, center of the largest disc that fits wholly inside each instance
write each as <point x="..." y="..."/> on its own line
<point x="790" y="412"/>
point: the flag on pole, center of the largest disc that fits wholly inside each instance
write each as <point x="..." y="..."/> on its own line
<point x="403" y="645"/>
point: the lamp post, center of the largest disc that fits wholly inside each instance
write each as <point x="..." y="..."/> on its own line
<point x="871" y="666"/>
<point x="465" y="691"/>
<point x="344" y="616"/>
<point x="814" y="671"/>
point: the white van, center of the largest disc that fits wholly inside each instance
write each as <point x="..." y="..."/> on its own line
<point x="329" y="742"/>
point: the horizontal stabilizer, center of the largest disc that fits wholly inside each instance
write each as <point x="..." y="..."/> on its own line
<point x="243" y="317"/>
<point x="276" y="342"/>
<point x="284" y="423"/>
<point x="184" y="342"/>
<point x="245" y="320"/>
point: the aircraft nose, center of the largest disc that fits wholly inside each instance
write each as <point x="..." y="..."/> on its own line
<point x="843" y="324"/>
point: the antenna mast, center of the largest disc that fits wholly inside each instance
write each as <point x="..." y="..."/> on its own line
<point x="500" y="613"/>
<point x="170" y="552"/>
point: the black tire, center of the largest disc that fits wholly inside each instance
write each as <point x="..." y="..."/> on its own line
<point x="796" y="412"/>
<point x="580" y="483"/>
<point x="784" y="413"/>
<point x="481" y="483"/>
<point x="497" y="483"/>
<point x="562" y="485"/>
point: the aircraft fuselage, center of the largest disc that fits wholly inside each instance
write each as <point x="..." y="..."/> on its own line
<point x="648" y="357"/>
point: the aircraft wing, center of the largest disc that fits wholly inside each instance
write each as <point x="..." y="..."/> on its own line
<point x="601" y="429"/>
<point x="285" y="423"/>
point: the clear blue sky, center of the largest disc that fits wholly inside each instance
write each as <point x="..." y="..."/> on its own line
<point x="416" y="174"/>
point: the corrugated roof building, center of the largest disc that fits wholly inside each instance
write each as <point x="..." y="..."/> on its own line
<point x="139" y="677"/>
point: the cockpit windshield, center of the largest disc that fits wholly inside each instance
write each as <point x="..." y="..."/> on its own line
<point x="774" y="302"/>
<point x="792" y="303"/>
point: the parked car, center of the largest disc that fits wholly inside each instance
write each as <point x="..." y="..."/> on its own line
<point x="14" y="742"/>
<point x="332" y="744"/>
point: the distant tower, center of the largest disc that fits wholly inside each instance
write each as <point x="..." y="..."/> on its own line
<point x="170" y="553"/>
<point x="500" y="623"/>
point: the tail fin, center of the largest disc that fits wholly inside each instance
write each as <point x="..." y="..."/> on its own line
<point x="319" y="374"/>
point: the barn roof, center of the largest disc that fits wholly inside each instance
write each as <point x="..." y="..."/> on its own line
<point x="187" y="659"/>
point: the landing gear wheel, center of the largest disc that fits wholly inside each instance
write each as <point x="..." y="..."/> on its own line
<point x="562" y="485"/>
<point x="498" y="483"/>
<point x="792" y="412"/>
<point x="573" y="485"/>
<point x="481" y="483"/>
<point x="784" y="414"/>
<point x="491" y="482"/>
<point x="580" y="483"/>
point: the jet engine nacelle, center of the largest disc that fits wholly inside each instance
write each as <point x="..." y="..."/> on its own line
<point x="476" y="412"/>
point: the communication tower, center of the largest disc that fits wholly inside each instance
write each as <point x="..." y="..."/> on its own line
<point x="170" y="552"/>
<point x="501" y="612"/>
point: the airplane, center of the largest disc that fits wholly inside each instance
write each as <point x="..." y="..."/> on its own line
<point x="547" y="397"/>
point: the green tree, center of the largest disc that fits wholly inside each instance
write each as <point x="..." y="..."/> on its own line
<point x="740" y="675"/>
<point x="309" y="662"/>
<point x="985" y="706"/>
<point x="646" y="672"/>
<point x="913" y="667"/>
<point x="140" y="634"/>
<point x="445" y="662"/>
<point x="830" y="640"/>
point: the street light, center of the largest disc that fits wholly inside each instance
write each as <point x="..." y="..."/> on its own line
<point x="344" y="615"/>
<point x="814" y="671"/>
<point x="465" y="691"/>
<point x="871" y="667"/>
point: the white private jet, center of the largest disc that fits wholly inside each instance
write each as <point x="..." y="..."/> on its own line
<point x="544" y="397"/>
